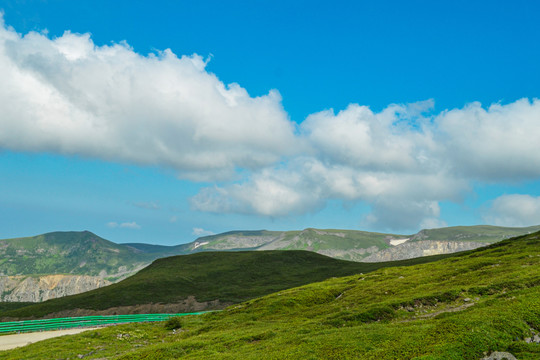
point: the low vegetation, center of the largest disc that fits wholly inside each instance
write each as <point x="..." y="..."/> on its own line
<point x="230" y="277"/>
<point x="461" y="307"/>
<point x="76" y="253"/>
<point x="479" y="233"/>
<point x="173" y="323"/>
<point x="7" y="306"/>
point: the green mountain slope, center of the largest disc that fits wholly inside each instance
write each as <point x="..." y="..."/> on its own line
<point x="478" y="233"/>
<point x="84" y="253"/>
<point x="341" y="244"/>
<point x="78" y="253"/>
<point x="462" y="307"/>
<point x="229" y="277"/>
<point x="358" y="245"/>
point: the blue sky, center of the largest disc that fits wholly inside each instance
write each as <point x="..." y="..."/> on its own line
<point x="162" y="121"/>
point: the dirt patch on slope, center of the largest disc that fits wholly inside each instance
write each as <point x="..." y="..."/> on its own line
<point x="188" y="305"/>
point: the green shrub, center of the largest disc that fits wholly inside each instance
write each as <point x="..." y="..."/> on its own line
<point x="173" y="323"/>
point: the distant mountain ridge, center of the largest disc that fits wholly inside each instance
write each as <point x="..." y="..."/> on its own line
<point x="361" y="245"/>
<point x="342" y="244"/>
<point x="86" y="254"/>
<point x="57" y="264"/>
<point x="71" y="252"/>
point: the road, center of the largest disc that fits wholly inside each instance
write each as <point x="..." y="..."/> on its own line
<point x="12" y="341"/>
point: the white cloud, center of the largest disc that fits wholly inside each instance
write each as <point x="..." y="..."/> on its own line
<point x="383" y="159"/>
<point x="266" y="194"/>
<point x="130" y="225"/>
<point x="399" y="161"/>
<point x="151" y="205"/>
<point x="124" y="225"/>
<point x="398" y="200"/>
<point x="202" y="232"/>
<point x="432" y="223"/>
<point x="495" y="144"/>
<point x="389" y="140"/>
<point x="70" y="96"/>
<point x="514" y="210"/>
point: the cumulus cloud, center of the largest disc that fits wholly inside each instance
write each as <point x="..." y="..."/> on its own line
<point x="514" y="210"/>
<point x="357" y="137"/>
<point x="202" y="232"/>
<point x="383" y="159"/>
<point x="69" y="96"/>
<point x="401" y="161"/>
<point x="305" y="185"/>
<point x="495" y="144"/>
<point x="124" y="225"/>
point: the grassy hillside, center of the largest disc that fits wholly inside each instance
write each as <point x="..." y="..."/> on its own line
<point x="6" y="306"/>
<point x="347" y="244"/>
<point x="478" y="233"/>
<point x="84" y="253"/>
<point x="78" y="253"/>
<point x="330" y="239"/>
<point x="461" y="307"/>
<point x="231" y="277"/>
<point x="162" y="250"/>
<point x="342" y="244"/>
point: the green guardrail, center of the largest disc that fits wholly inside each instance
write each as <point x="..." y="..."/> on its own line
<point x="82" y="321"/>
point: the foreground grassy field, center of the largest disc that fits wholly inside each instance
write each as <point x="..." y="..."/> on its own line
<point x="463" y="307"/>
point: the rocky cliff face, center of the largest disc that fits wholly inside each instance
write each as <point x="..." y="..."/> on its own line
<point x="416" y="249"/>
<point x="41" y="288"/>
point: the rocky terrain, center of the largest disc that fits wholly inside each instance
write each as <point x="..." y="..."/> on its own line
<point x="409" y="250"/>
<point x="38" y="268"/>
<point x="41" y="288"/>
<point x="341" y="244"/>
<point x="360" y="245"/>
<point x="84" y="261"/>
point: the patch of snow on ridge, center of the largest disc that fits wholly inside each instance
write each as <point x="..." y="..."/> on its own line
<point x="197" y="244"/>
<point x="395" y="242"/>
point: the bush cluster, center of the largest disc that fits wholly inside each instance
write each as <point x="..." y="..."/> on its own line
<point x="173" y="323"/>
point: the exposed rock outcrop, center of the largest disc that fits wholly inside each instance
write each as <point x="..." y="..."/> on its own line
<point x="351" y="255"/>
<point x="237" y="241"/>
<point x="500" y="355"/>
<point x="416" y="249"/>
<point x="41" y="288"/>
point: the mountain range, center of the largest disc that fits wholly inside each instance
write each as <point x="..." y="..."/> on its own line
<point x="82" y="261"/>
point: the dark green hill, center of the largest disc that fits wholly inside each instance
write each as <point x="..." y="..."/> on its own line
<point x="229" y="277"/>
<point x="463" y="307"/>
<point x="78" y="253"/>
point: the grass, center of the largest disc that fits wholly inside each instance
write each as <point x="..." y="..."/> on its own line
<point x="230" y="277"/>
<point x="7" y="306"/>
<point x="460" y="307"/>
<point x="478" y="233"/>
<point x="327" y="239"/>
<point x="76" y="253"/>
